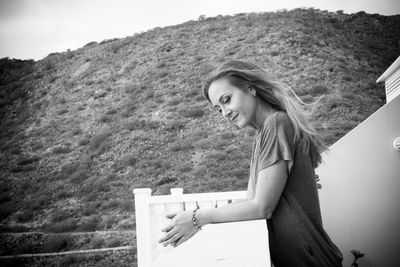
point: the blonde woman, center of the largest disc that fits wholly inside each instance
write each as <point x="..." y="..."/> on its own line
<point x="282" y="186"/>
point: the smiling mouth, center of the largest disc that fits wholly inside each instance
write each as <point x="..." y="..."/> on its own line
<point x="234" y="118"/>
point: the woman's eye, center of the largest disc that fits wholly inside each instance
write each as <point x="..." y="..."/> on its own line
<point x="226" y="100"/>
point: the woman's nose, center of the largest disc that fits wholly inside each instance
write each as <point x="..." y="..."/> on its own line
<point x="226" y="112"/>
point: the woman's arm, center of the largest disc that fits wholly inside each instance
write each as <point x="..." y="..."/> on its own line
<point x="270" y="184"/>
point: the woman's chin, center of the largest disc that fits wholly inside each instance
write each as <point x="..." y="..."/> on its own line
<point x="240" y="125"/>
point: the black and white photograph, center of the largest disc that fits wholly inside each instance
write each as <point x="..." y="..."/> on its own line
<point x="201" y="133"/>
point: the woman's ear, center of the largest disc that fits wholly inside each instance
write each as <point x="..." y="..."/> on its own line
<point x="252" y="90"/>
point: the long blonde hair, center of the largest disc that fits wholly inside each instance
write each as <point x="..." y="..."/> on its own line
<point x="242" y="74"/>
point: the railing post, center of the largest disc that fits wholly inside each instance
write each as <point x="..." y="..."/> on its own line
<point x="176" y="206"/>
<point x="143" y="231"/>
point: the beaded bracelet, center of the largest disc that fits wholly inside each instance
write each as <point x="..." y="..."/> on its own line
<point x="195" y="220"/>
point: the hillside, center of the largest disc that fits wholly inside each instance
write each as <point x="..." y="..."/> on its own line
<point x="80" y="129"/>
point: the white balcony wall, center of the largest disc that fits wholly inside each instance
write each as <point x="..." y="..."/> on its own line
<point x="360" y="195"/>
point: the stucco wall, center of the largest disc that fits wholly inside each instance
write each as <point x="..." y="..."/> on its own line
<point x="360" y="195"/>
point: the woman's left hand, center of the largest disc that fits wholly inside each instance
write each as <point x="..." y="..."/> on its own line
<point x="179" y="230"/>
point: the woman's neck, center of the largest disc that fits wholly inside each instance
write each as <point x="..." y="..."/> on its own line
<point x="263" y="111"/>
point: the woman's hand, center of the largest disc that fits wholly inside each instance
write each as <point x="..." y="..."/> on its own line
<point x="180" y="229"/>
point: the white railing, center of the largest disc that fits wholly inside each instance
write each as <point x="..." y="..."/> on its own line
<point x="150" y="219"/>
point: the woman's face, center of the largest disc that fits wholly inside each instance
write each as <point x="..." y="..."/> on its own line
<point x="237" y="105"/>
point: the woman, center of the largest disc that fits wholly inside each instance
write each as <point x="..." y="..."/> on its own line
<point x="282" y="186"/>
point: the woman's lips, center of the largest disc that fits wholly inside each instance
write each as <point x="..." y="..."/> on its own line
<point x="235" y="117"/>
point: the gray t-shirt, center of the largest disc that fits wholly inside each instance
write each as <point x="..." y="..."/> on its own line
<point x="296" y="234"/>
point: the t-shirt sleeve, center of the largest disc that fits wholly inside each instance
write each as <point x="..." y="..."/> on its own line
<point x="276" y="142"/>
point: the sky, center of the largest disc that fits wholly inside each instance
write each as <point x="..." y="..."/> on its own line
<point x="32" y="29"/>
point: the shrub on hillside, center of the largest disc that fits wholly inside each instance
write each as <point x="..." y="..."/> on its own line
<point x="111" y="111"/>
<point x="174" y="125"/>
<point x="93" y="43"/>
<point x="346" y="125"/>
<point x="101" y="184"/>
<point x="25" y="216"/>
<point x="27" y="161"/>
<point x="18" y="169"/>
<point x="237" y="172"/>
<point x="113" y="242"/>
<point x="222" y="143"/>
<point x="274" y="53"/>
<point x="185" y="167"/>
<point x="347" y="78"/>
<point x="55" y="243"/>
<point x="90" y="223"/>
<point x="99" y="137"/>
<point x="333" y="102"/>
<point x="84" y="141"/>
<point x="27" y="247"/>
<point x="79" y="176"/>
<point x="108" y="222"/>
<point x="97" y="242"/>
<point x="148" y="94"/>
<point x="110" y="204"/>
<point x="192" y="112"/>
<point x="199" y="133"/>
<point x="318" y="90"/>
<point x="88" y="209"/>
<point x="134" y="124"/>
<point x="217" y="156"/>
<point x="329" y="138"/>
<point x="202" y="143"/>
<point x="4" y="197"/>
<point x="228" y="135"/>
<point x="69" y="168"/>
<point x="68" y="225"/>
<point x="198" y="98"/>
<point x="15" y="228"/>
<point x="192" y="93"/>
<point x="58" y="215"/>
<point x="126" y="225"/>
<point x="165" y="180"/>
<point x="76" y="131"/>
<point x="122" y="204"/>
<point x="173" y="102"/>
<point x="179" y="146"/>
<point x="61" y="149"/>
<point x="62" y="111"/>
<point x="129" y="160"/>
<point x="70" y="260"/>
<point x="28" y="186"/>
<point x="41" y="202"/>
<point x="105" y="119"/>
<point x="162" y="73"/>
<point x="63" y="195"/>
<point x="153" y="124"/>
<point x="125" y="205"/>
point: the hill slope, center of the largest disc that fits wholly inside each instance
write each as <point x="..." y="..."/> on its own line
<point x="80" y="129"/>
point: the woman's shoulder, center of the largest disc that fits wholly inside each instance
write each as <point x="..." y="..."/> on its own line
<point x="278" y="118"/>
<point x="277" y="124"/>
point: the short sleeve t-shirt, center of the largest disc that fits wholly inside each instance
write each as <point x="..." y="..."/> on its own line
<point x="295" y="230"/>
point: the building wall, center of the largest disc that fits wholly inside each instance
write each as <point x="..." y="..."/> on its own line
<point x="360" y="195"/>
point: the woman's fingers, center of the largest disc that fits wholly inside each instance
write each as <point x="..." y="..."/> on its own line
<point x="167" y="228"/>
<point x="180" y="241"/>
<point x="171" y="215"/>
<point x="184" y="238"/>
<point x="173" y="239"/>
<point x="170" y="233"/>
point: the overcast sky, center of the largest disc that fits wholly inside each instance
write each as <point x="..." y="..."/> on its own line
<point x="31" y="29"/>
